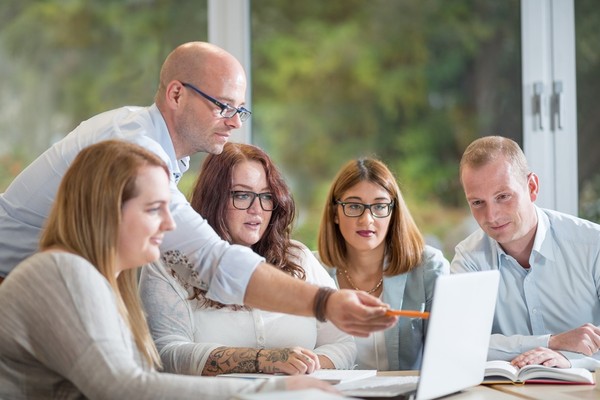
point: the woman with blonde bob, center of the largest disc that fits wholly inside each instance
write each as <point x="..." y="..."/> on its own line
<point x="370" y="242"/>
<point x="72" y="325"/>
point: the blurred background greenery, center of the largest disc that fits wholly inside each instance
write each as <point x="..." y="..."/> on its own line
<point x="409" y="82"/>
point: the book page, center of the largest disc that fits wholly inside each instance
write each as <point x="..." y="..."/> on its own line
<point x="499" y="368"/>
<point x="498" y="371"/>
<point x="541" y="372"/>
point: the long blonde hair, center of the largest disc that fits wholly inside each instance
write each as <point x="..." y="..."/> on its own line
<point x="86" y="216"/>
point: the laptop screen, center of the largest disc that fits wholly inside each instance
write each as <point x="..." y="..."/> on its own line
<point x="458" y="333"/>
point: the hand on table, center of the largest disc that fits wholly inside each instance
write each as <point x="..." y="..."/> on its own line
<point x="358" y="313"/>
<point x="541" y="356"/>
<point x="585" y="340"/>
<point x="290" y="361"/>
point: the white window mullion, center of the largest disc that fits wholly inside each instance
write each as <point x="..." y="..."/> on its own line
<point x="564" y="119"/>
<point x="548" y="57"/>
<point x="229" y="28"/>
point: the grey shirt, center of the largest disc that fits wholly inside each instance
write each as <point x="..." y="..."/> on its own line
<point x="61" y="336"/>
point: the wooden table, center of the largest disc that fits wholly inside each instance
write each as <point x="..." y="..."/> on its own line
<point x="549" y="392"/>
<point x="523" y="392"/>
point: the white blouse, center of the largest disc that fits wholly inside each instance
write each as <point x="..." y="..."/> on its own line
<point x="186" y="333"/>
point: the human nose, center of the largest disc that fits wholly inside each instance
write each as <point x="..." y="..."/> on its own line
<point x="168" y="223"/>
<point x="234" y="122"/>
<point x="366" y="215"/>
<point x="255" y="206"/>
<point x="491" y="210"/>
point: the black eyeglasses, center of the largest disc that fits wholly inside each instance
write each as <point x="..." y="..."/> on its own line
<point x="378" y="210"/>
<point x="243" y="200"/>
<point x="227" y="111"/>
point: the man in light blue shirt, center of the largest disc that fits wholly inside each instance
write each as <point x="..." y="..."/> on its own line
<point x="548" y="307"/>
<point x="198" y="103"/>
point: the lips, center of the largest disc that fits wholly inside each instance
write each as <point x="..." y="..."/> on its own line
<point x="365" y="233"/>
<point x="156" y="240"/>
<point x="224" y="135"/>
<point x="498" y="227"/>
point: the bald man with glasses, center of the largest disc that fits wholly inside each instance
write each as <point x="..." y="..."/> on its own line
<point x="199" y="102"/>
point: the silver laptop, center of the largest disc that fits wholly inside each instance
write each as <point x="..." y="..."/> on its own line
<point x="456" y="344"/>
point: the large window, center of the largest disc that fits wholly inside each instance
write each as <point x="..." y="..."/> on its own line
<point x="63" y="61"/>
<point x="409" y="82"/>
<point x="587" y="21"/>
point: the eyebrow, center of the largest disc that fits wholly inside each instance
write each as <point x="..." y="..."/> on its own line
<point x="242" y="187"/>
<point x="156" y="203"/>
<point x="358" y="198"/>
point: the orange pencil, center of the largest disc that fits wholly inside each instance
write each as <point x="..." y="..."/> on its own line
<point x="407" y="313"/>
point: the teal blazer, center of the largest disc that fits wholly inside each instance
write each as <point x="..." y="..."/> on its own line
<point x="409" y="291"/>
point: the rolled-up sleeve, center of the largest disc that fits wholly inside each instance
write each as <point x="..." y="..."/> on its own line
<point x="222" y="269"/>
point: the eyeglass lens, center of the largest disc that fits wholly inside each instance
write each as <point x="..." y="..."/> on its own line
<point x="379" y="210"/>
<point x="243" y="200"/>
<point x="229" y="112"/>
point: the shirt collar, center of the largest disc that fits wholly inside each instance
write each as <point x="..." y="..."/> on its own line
<point x="161" y="135"/>
<point x="543" y="244"/>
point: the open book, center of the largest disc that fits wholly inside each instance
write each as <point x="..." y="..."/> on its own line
<point x="505" y="372"/>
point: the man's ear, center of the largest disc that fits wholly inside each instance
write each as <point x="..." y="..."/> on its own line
<point x="533" y="184"/>
<point x="173" y="94"/>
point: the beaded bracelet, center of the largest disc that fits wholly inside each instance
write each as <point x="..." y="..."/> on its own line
<point x="320" y="302"/>
<point x="256" y="368"/>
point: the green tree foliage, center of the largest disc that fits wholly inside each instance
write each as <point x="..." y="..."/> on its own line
<point x="71" y="59"/>
<point x="587" y="17"/>
<point x="409" y="82"/>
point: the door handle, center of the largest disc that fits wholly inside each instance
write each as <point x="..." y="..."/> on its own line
<point x="555" y="111"/>
<point x="538" y="90"/>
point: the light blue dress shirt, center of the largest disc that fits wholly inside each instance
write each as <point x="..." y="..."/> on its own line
<point x="559" y="292"/>
<point x="223" y="269"/>
<point x="410" y="291"/>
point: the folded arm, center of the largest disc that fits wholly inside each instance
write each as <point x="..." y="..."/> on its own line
<point x="289" y="361"/>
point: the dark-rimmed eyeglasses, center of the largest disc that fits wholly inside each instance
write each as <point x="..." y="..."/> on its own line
<point x="378" y="210"/>
<point x="227" y="111"/>
<point x="243" y="200"/>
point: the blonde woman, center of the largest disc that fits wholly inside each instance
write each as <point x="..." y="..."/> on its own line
<point x="72" y="325"/>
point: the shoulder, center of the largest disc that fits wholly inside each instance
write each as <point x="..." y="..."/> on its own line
<point x="432" y="254"/>
<point x="66" y="280"/>
<point x="478" y="245"/>
<point x="477" y="252"/>
<point x="569" y="227"/>
<point x="434" y="260"/>
<point x="315" y="272"/>
<point x="433" y="263"/>
<point x="477" y="240"/>
<point x="48" y="265"/>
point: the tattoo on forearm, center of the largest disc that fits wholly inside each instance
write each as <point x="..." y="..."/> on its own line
<point x="230" y="360"/>
<point x="275" y="356"/>
<point x="278" y="355"/>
